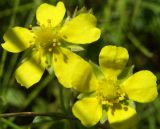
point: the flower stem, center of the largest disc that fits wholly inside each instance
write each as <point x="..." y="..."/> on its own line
<point x="9" y="123"/>
<point x="33" y="114"/>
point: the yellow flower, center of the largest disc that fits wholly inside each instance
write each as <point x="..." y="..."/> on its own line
<point x="112" y="97"/>
<point x="48" y="40"/>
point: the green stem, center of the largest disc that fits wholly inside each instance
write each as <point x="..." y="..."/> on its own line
<point x="14" y="58"/>
<point x="137" y="9"/>
<point x="13" y="17"/>
<point x="22" y="8"/>
<point x="2" y="63"/>
<point x="32" y="12"/>
<point x="9" y="71"/>
<point x="139" y="45"/>
<point x="33" y="114"/>
<point x="9" y="123"/>
<point x="37" y="90"/>
<point x="62" y="99"/>
<point x="152" y="6"/>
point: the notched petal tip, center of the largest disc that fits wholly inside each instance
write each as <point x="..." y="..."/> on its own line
<point x="17" y="39"/>
<point x="112" y="60"/>
<point x="47" y="14"/>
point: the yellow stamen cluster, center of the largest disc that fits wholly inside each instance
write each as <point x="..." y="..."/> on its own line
<point x="46" y="37"/>
<point x="117" y="95"/>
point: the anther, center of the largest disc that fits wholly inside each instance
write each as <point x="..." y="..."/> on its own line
<point x="54" y="40"/>
<point x="31" y="43"/>
<point x="58" y="43"/>
<point x="54" y="44"/>
<point x="50" y="49"/>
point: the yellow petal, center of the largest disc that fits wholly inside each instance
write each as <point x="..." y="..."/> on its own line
<point x="31" y="70"/>
<point x="122" y="117"/>
<point x="105" y="86"/>
<point x="141" y="86"/>
<point x="50" y="15"/>
<point x="112" y="60"/>
<point x="88" y="111"/>
<point x="81" y="29"/>
<point x="72" y="71"/>
<point x="17" y="39"/>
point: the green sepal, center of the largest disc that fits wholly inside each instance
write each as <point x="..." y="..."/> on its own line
<point x="86" y="94"/>
<point x="127" y="72"/>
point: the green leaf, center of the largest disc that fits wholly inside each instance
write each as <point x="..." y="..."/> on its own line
<point x="41" y="119"/>
<point x="15" y="97"/>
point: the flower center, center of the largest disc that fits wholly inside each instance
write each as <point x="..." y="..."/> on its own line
<point x="47" y="38"/>
<point x="110" y="93"/>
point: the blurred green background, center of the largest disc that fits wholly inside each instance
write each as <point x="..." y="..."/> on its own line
<point x="134" y="24"/>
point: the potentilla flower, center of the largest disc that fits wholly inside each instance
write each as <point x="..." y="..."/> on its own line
<point x="47" y="41"/>
<point x="111" y="97"/>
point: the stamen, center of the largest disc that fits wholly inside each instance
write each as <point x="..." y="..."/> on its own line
<point x="31" y="43"/>
<point x="104" y="102"/>
<point x="58" y="43"/>
<point x="54" y="40"/>
<point x="54" y="44"/>
<point x="50" y="49"/>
